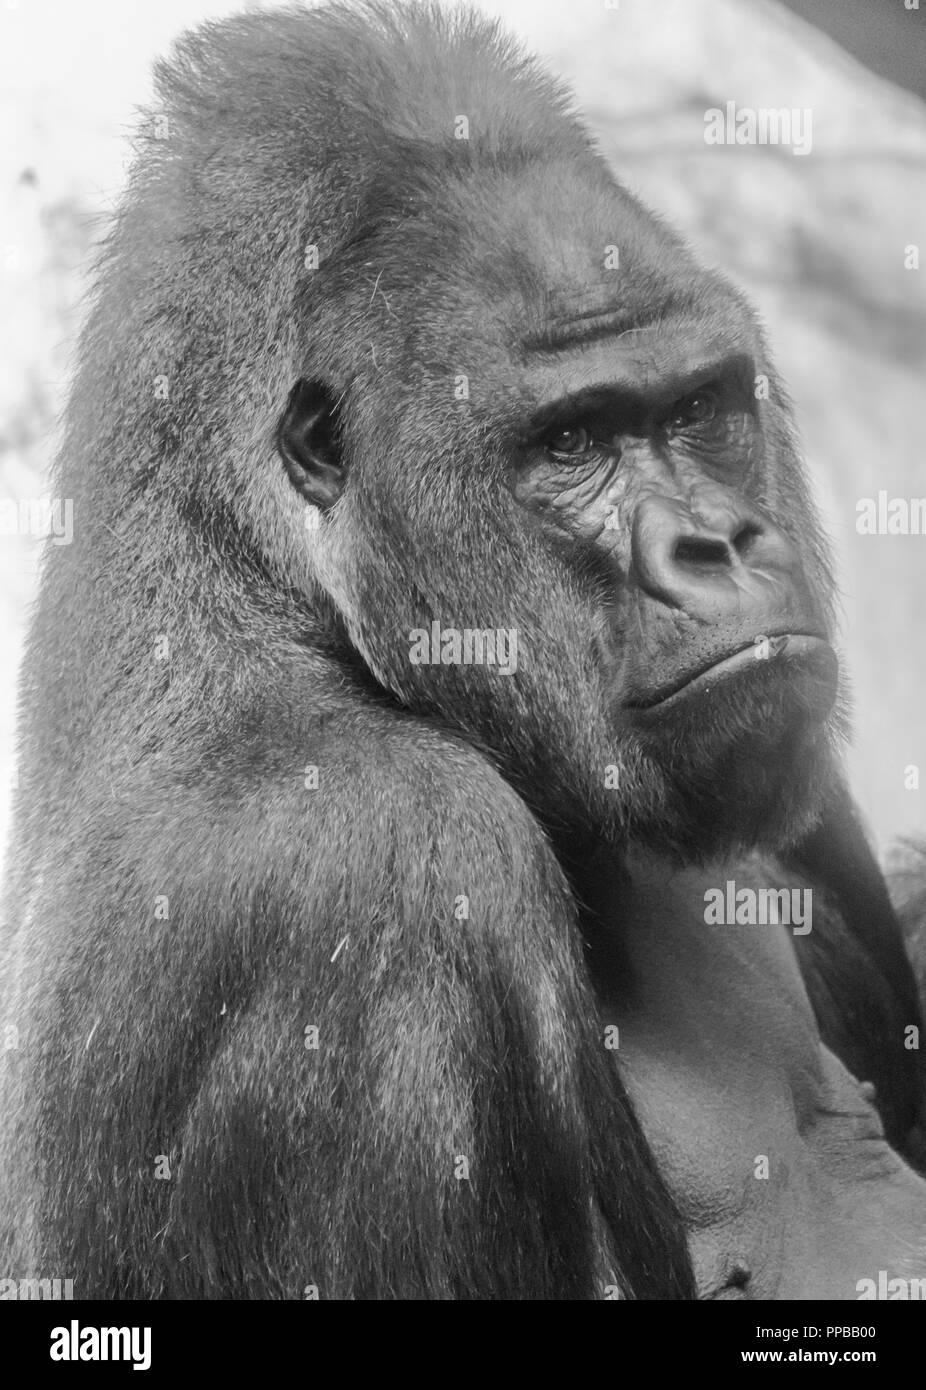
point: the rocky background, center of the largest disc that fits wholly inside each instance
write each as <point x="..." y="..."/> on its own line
<point x="818" y="242"/>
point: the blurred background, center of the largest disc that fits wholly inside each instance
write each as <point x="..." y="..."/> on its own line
<point x="821" y="242"/>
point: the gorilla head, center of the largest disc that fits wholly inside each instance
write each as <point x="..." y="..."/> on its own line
<point x="519" y="392"/>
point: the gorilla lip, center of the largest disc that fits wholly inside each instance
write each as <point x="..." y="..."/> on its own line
<point x="792" y="643"/>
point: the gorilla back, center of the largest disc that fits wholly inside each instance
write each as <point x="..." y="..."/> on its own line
<point x="323" y="926"/>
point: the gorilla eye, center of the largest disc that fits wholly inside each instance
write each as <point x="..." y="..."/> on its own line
<point x="697" y="409"/>
<point x="571" y="443"/>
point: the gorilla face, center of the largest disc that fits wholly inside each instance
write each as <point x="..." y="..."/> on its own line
<point x="615" y="483"/>
<point x="654" y="457"/>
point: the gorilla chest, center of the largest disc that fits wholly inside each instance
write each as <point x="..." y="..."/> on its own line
<point x="772" y="1153"/>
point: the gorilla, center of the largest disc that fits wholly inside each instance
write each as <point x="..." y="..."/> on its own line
<point x="433" y="876"/>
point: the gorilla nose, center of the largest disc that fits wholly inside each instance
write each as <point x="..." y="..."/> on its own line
<point x="712" y="557"/>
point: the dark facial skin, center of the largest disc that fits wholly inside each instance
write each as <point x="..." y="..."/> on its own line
<point x="657" y="471"/>
<point x="652" y="472"/>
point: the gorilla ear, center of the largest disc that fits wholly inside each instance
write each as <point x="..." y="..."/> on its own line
<point x="307" y="440"/>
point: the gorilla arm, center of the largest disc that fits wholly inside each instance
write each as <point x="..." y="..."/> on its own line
<point x="858" y="975"/>
<point x="458" y="1129"/>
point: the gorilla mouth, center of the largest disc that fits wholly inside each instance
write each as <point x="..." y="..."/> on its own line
<point x="748" y="656"/>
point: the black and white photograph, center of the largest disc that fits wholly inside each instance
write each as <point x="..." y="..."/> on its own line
<point x="462" y="720"/>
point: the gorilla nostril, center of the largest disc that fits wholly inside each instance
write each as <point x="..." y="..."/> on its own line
<point x="745" y="538"/>
<point x="702" y="552"/>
